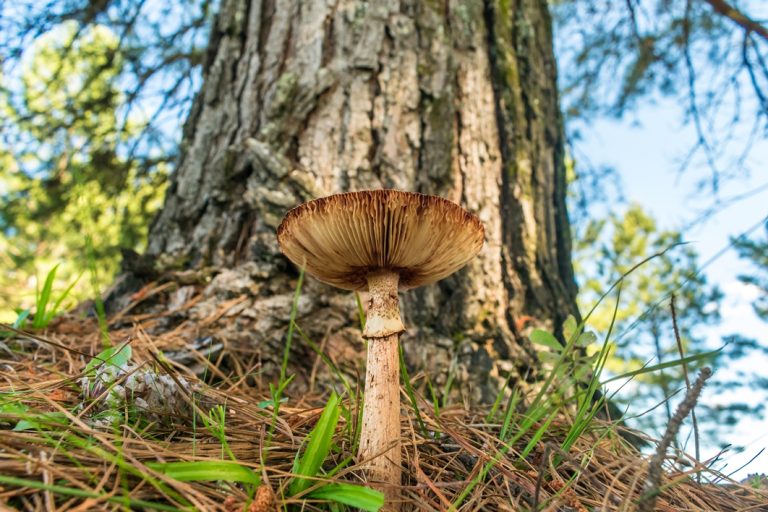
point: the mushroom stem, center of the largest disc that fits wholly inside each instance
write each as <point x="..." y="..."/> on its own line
<point x="380" y="433"/>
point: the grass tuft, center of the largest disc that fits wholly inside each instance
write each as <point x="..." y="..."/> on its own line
<point x="547" y="450"/>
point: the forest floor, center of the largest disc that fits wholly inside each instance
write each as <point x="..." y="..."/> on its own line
<point x="138" y="426"/>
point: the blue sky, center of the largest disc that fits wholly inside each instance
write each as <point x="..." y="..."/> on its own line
<point x="646" y="149"/>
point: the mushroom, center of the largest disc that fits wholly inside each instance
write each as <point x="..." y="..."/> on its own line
<point x="380" y="241"/>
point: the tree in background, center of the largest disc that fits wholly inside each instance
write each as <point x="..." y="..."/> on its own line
<point x="70" y="177"/>
<point x="755" y="251"/>
<point x="709" y="54"/>
<point x="643" y="333"/>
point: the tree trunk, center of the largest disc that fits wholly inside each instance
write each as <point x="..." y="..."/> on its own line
<point x="307" y="98"/>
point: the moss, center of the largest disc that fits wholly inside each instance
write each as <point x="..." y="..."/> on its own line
<point x="484" y="314"/>
<point x="168" y="262"/>
<point x="285" y="90"/>
<point x="467" y="20"/>
<point x="438" y="120"/>
<point x="462" y="12"/>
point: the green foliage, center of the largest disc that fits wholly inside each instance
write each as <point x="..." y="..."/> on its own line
<point x="116" y="357"/>
<point x="54" y="421"/>
<point x="26" y="483"/>
<point x="356" y="496"/>
<point x="69" y="174"/>
<point x="755" y="251"/>
<point x="610" y="247"/>
<point x="557" y="397"/>
<point x="44" y="311"/>
<point x="645" y="339"/>
<point x="406" y="378"/>
<point x="309" y="466"/>
<point x="14" y="411"/>
<point x="206" y="471"/>
<point x="216" y="423"/>
<point x="276" y="391"/>
<point x="320" y="441"/>
<point x="607" y="250"/>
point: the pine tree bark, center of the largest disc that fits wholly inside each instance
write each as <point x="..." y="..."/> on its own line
<point x="459" y="99"/>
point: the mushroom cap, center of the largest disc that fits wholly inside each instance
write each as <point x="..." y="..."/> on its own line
<point x="341" y="239"/>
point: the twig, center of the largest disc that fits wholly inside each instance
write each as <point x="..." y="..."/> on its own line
<point x="647" y="501"/>
<point x="702" y="142"/>
<point x="762" y="100"/>
<point x="540" y="478"/>
<point x="748" y="24"/>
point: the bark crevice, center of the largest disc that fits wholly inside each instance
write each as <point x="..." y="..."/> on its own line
<point x="453" y="98"/>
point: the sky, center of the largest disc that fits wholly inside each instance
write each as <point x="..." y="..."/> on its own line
<point x="645" y="149"/>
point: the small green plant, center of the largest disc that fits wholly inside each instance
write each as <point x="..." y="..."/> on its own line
<point x="12" y="410"/>
<point x="216" y="424"/>
<point x="21" y="318"/>
<point x="276" y="392"/>
<point x="412" y="394"/>
<point x="308" y="467"/>
<point x="320" y="441"/>
<point x="116" y="357"/>
<point x="46" y="307"/>
<point x="63" y="490"/>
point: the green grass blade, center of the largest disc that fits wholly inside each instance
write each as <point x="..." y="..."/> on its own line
<point x="206" y="471"/>
<point x="511" y="409"/>
<point x="411" y="394"/>
<point x="536" y="438"/>
<point x="80" y="493"/>
<point x="277" y="392"/>
<point x="587" y="406"/>
<point x="320" y="440"/>
<point x="668" y="364"/>
<point x="43" y="299"/>
<point x="360" y="311"/>
<point x="433" y="395"/>
<point x="534" y="415"/>
<point x="341" y="465"/>
<point x="491" y="416"/>
<point x="21" y="318"/>
<point x="41" y="421"/>
<point x="119" y="461"/>
<point x="356" y="496"/>
<point x="291" y="324"/>
<point x="62" y="297"/>
<point x="627" y="274"/>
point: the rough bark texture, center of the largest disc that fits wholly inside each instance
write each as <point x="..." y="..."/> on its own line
<point x="306" y="98"/>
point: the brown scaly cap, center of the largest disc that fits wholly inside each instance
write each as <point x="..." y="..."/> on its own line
<point x="344" y="237"/>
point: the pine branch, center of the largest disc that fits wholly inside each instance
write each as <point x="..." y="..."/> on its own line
<point x="748" y="24"/>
